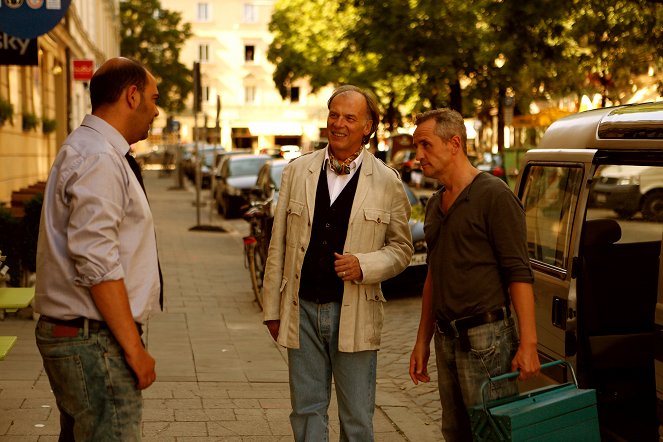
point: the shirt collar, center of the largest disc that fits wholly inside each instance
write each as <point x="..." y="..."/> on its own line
<point x="111" y="134"/>
<point x="355" y="164"/>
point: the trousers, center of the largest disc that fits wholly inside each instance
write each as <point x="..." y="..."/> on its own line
<point x="94" y="387"/>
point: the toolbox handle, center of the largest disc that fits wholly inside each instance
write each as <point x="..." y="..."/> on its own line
<point x="513" y="375"/>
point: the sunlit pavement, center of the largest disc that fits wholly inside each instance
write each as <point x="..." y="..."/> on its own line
<point x="220" y="375"/>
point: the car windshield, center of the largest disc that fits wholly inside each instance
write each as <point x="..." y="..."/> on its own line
<point x="245" y="166"/>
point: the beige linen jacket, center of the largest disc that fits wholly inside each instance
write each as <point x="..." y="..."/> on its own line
<point x="378" y="235"/>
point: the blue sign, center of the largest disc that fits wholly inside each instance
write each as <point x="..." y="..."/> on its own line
<point x="31" y="18"/>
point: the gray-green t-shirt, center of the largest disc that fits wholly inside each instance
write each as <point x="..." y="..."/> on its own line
<point x="477" y="249"/>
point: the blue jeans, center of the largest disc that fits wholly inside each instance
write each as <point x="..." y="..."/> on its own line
<point x="94" y="388"/>
<point x="311" y="367"/>
<point x="460" y="373"/>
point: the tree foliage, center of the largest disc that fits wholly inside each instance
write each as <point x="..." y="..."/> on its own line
<point x="613" y="43"/>
<point x="154" y="36"/>
<point x="420" y="54"/>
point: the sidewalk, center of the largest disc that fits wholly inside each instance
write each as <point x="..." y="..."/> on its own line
<point x="220" y="375"/>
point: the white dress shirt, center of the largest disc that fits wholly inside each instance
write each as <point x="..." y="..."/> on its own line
<point x="96" y="226"/>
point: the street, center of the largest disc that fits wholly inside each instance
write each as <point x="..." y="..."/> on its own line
<point x="220" y="377"/>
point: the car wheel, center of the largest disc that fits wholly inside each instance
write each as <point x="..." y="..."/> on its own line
<point x="652" y="207"/>
<point x="228" y="209"/>
<point x="625" y="213"/>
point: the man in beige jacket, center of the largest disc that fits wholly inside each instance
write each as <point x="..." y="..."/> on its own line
<point x="340" y="228"/>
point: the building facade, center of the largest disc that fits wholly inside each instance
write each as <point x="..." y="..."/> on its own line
<point x="230" y="41"/>
<point x="47" y="102"/>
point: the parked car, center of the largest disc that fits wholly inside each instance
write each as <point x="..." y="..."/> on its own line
<point x="235" y="181"/>
<point x="412" y="279"/>
<point x="598" y="278"/>
<point x="159" y="157"/>
<point x="630" y="189"/>
<point x="268" y="183"/>
<point x="204" y="157"/>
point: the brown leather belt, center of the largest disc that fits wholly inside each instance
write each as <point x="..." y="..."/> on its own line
<point x="94" y="325"/>
<point x="458" y="327"/>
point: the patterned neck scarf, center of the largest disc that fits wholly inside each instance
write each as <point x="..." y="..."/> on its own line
<point x="342" y="167"/>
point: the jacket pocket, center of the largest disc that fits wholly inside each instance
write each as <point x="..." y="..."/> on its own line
<point x="295" y="222"/>
<point x="374" y="229"/>
<point x="374" y="300"/>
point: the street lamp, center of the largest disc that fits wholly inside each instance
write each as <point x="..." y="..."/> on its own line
<point x="500" y="61"/>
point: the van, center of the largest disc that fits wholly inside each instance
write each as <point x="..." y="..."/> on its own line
<point x="593" y="203"/>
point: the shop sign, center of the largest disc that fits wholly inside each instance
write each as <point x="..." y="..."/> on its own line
<point x="18" y="51"/>
<point x="31" y="18"/>
<point x="83" y="70"/>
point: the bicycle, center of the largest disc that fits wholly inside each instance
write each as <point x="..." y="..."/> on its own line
<point x="256" y="244"/>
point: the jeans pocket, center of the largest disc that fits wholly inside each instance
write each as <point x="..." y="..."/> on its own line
<point x="67" y="379"/>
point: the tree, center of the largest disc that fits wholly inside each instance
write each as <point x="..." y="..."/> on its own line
<point x="154" y="36"/>
<point x="470" y="56"/>
<point x="336" y="42"/>
<point x="613" y="43"/>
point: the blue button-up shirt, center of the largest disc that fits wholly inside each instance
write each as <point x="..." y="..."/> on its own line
<point x="96" y="226"/>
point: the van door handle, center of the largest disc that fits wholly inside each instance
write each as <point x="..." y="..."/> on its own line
<point x="559" y="310"/>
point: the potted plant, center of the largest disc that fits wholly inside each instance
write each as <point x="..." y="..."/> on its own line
<point x="30" y="121"/>
<point x="6" y="111"/>
<point x="48" y="125"/>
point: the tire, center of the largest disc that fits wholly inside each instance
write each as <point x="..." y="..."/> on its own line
<point x="652" y="206"/>
<point x="228" y="209"/>
<point x="256" y="271"/>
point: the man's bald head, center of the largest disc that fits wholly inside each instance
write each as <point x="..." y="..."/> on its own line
<point x="114" y="76"/>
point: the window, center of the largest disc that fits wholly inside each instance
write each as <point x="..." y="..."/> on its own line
<point x="206" y="92"/>
<point x="203" y="52"/>
<point x="203" y="12"/>
<point x="249" y="53"/>
<point x="249" y="94"/>
<point x="294" y="94"/>
<point x="250" y="13"/>
<point x="549" y="198"/>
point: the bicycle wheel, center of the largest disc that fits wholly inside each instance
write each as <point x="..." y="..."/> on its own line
<point x="256" y="270"/>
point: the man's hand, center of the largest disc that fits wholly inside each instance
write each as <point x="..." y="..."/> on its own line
<point x="419" y="364"/>
<point x="273" y="327"/>
<point x="526" y="361"/>
<point x="142" y="364"/>
<point x="347" y="267"/>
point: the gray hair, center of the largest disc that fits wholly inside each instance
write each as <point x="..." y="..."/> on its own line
<point x="448" y="123"/>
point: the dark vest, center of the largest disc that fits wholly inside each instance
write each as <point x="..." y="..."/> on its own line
<point x="320" y="283"/>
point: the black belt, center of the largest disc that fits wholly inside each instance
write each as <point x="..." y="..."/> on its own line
<point x="461" y="325"/>
<point x="94" y="325"/>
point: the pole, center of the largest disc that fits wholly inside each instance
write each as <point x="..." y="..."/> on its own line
<point x="197" y="164"/>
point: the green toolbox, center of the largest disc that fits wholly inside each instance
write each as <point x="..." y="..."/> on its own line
<point x="557" y="412"/>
